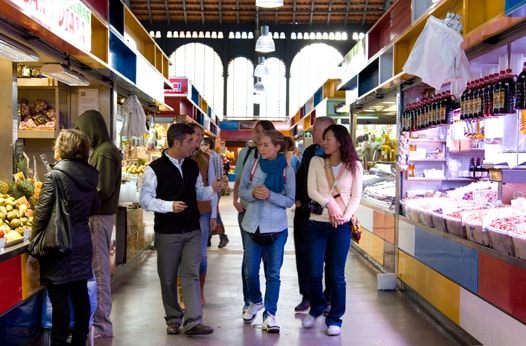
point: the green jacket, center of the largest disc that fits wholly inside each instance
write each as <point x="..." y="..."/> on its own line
<point x="106" y="158"/>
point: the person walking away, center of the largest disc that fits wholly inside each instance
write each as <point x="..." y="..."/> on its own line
<point x="239" y="203"/>
<point x="107" y="159"/>
<point x="335" y="183"/>
<point x="208" y="146"/>
<point x="302" y="213"/>
<point x="207" y="208"/>
<point x="67" y="277"/>
<point x="268" y="184"/>
<point x="172" y="185"/>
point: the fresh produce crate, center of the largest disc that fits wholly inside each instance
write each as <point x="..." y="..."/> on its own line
<point x="519" y="245"/>
<point x="426" y="219"/>
<point x="454" y="226"/>
<point x="439" y="221"/>
<point x="501" y="241"/>
<point x="477" y="234"/>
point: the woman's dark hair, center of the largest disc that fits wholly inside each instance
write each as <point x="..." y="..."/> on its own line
<point x="347" y="149"/>
<point x="178" y="132"/>
<point x="277" y="138"/>
<point x="265" y="124"/>
<point x="73" y="144"/>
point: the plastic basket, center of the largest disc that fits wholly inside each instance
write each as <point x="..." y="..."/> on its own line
<point x="519" y="245"/>
<point x="439" y="221"/>
<point x="477" y="234"/>
<point x="426" y="218"/>
<point x="501" y="241"/>
<point x="455" y="227"/>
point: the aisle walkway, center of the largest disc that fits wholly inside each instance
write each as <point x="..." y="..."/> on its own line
<point x="372" y="317"/>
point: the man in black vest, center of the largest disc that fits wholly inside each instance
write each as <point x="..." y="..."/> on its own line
<point x="172" y="184"/>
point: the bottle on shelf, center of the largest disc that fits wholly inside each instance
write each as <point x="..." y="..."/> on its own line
<point x="478" y="169"/>
<point x="520" y="91"/>
<point x="472" y="167"/>
<point x="488" y="96"/>
<point x="464" y="101"/>
<point x="509" y="92"/>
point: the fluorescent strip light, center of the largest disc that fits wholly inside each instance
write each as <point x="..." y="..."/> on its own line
<point x="15" y="51"/>
<point x="64" y="75"/>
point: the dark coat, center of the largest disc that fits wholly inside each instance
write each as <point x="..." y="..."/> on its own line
<point x="80" y="188"/>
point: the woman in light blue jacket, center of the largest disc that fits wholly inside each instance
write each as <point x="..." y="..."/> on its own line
<point x="269" y="185"/>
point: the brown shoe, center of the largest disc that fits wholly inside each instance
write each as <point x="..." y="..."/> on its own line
<point x="200" y="329"/>
<point x="172" y="328"/>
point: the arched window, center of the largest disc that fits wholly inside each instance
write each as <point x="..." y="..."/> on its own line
<point x="310" y="68"/>
<point x="273" y="100"/>
<point x="202" y="65"/>
<point x="240" y="89"/>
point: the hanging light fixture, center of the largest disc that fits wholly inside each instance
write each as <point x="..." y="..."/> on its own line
<point x="265" y="43"/>
<point x="14" y="51"/>
<point x="64" y="75"/>
<point x="261" y="69"/>
<point x="269" y="3"/>
<point x="259" y="87"/>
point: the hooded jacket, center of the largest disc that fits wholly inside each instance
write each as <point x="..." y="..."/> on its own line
<point x="80" y="189"/>
<point x="106" y="158"/>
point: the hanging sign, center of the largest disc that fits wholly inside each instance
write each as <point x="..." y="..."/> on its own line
<point x="68" y="19"/>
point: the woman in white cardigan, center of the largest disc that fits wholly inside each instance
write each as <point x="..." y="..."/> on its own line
<point x="335" y="183"/>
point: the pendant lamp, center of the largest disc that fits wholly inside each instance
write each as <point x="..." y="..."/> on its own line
<point x="265" y="43"/>
<point x="269" y="3"/>
<point x="259" y="87"/>
<point x="261" y="70"/>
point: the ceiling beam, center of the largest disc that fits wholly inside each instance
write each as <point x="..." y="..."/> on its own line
<point x="184" y="12"/>
<point x="220" y="12"/>
<point x="294" y="12"/>
<point x="329" y="13"/>
<point x="202" y="12"/>
<point x="365" y="11"/>
<point x="311" y="12"/>
<point x="149" y="11"/>
<point x="167" y="11"/>
<point x="347" y="12"/>
<point x="237" y="11"/>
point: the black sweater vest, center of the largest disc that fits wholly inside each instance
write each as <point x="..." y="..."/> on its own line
<point x="172" y="187"/>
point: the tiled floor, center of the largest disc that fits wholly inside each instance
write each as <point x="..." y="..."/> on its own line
<point x="372" y="318"/>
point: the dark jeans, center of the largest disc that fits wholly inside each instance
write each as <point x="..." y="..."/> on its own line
<point x="59" y="296"/>
<point x="301" y="246"/>
<point x="331" y="245"/>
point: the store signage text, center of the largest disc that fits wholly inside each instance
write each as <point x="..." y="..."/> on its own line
<point x="179" y="85"/>
<point x="68" y="19"/>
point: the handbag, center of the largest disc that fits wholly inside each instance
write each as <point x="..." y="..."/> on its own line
<point x="356" y="229"/>
<point x="54" y="239"/>
<point x="220" y="229"/>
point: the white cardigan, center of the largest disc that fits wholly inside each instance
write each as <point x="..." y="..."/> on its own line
<point x="349" y="187"/>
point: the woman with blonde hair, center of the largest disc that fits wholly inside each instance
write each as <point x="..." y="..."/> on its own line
<point x="268" y="184"/>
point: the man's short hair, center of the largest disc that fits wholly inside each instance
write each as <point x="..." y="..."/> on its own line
<point x="210" y="142"/>
<point x="178" y="132"/>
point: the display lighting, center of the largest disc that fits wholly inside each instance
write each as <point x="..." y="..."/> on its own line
<point x="64" y="75"/>
<point x="15" y="51"/>
<point x="220" y="35"/>
<point x="261" y="69"/>
<point x="157" y="34"/>
<point x="207" y="34"/>
<point x="292" y="35"/>
<point x="276" y="35"/>
<point x="361" y="36"/>
<point x="169" y="34"/>
<point x="269" y="3"/>
<point x="282" y="36"/>
<point x="231" y="35"/>
<point x="250" y="35"/>
<point x="176" y="34"/>
<point x="214" y="34"/>
<point x="265" y="43"/>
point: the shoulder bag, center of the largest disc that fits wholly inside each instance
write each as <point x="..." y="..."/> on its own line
<point x="54" y="240"/>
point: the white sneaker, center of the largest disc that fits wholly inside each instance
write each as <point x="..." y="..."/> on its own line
<point x="334" y="330"/>
<point x="308" y="321"/>
<point x="252" y="311"/>
<point x="270" y="324"/>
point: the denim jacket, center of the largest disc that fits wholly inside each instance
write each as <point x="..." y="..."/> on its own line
<point x="269" y="215"/>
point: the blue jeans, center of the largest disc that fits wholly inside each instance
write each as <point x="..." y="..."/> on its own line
<point x="204" y="222"/>
<point x="272" y="256"/>
<point x="244" y="236"/>
<point x="331" y="244"/>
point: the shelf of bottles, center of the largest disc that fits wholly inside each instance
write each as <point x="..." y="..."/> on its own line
<point x="493" y="95"/>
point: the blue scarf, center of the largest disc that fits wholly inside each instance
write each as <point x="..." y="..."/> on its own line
<point x="274" y="171"/>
